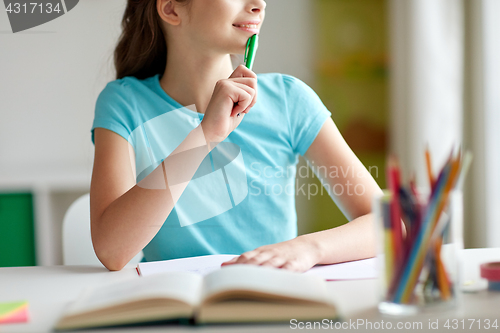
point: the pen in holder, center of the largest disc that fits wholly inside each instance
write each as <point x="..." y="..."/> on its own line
<point x="420" y="236"/>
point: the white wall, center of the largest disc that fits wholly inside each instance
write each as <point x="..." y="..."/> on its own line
<point x="50" y="77"/>
<point x="287" y="39"/>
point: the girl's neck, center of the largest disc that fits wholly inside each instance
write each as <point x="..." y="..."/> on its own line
<point x="190" y="78"/>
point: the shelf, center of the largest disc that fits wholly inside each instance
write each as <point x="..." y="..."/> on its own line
<point x="53" y="190"/>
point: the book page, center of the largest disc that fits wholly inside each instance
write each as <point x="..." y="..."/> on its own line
<point x="202" y="265"/>
<point x="182" y="286"/>
<point x="267" y="280"/>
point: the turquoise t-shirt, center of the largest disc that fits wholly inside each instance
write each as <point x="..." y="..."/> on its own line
<point x="243" y="194"/>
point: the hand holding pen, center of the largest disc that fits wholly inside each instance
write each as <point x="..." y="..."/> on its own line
<point x="232" y="97"/>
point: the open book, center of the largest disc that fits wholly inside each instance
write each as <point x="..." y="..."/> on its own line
<point x="237" y="293"/>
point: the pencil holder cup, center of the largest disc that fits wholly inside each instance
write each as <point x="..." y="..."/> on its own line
<point x="420" y="238"/>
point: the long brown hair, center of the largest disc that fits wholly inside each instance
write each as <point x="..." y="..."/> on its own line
<point x="141" y="50"/>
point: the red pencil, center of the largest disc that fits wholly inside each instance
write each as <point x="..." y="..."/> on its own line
<point x="397" y="234"/>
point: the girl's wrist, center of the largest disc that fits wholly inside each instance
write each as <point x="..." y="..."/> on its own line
<point x="210" y="140"/>
<point x="315" y="245"/>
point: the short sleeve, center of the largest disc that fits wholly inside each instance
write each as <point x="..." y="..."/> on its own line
<point x="114" y="110"/>
<point x="306" y="113"/>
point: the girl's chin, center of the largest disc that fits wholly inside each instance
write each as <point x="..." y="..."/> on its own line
<point x="239" y="50"/>
<point x="236" y="46"/>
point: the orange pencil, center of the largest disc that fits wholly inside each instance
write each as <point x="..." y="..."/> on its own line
<point x="442" y="278"/>
<point x="429" y="167"/>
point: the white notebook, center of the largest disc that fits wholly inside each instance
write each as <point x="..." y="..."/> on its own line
<point x="203" y="265"/>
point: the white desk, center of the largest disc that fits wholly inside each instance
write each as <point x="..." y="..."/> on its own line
<point x="50" y="289"/>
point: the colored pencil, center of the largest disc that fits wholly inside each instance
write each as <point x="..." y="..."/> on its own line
<point x="420" y="251"/>
<point x="428" y="164"/>
<point x="394" y="185"/>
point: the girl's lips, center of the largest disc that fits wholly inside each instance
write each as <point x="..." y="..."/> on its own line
<point x="251" y="30"/>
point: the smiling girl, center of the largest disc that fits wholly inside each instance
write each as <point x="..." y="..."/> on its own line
<point x="186" y="148"/>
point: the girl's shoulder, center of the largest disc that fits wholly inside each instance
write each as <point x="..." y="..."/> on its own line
<point x="286" y="86"/>
<point x="128" y="83"/>
<point x="278" y="79"/>
<point x="127" y="90"/>
<point x="116" y="89"/>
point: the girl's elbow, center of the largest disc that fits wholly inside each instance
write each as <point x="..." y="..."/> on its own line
<point x="110" y="259"/>
<point x="113" y="267"/>
<point x="112" y="263"/>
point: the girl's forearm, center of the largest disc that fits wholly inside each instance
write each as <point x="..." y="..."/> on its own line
<point x="129" y="223"/>
<point x="351" y="241"/>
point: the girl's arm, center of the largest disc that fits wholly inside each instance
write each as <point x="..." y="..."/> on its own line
<point x="125" y="216"/>
<point x="354" y="240"/>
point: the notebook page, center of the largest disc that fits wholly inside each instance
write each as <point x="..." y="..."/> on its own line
<point x="202" y="265"/>
<point x="352" y="270"/>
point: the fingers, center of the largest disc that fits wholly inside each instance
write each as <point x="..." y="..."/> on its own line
<point x="233" y="95"/>
<point x="267" y="259"/>
<point x="250" y="86"/>
<point x="232" y="261"/>
<point x="251" y="257"/>
<point x="245" y="76"/>
<point x="242" y="100"/>
<point x="242" y="71"/>
<point x="270" y="258"/>
<point x="277" y="262"/>
<point x="245" y="257"/>
<point x="258" y="257"/>
<point x="242" y="95"/>
<point x="294" y="266"/>
<point x="251" y="92"/>
<point x="250" y="82"/>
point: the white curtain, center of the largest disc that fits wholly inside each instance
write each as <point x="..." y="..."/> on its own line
<point x="445" y="92"/>
<point x="426" y="81"/>
<point x="482" y="126"/>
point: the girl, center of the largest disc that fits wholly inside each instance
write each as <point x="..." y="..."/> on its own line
<point x="190" y="160"/>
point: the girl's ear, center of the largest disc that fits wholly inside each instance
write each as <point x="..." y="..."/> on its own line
<point x="168" y="12"/>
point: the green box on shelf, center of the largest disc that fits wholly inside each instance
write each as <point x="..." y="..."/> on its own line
<point x="17" y="238"/>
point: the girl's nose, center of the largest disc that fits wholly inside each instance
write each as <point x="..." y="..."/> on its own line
<point x="256" y="6"/>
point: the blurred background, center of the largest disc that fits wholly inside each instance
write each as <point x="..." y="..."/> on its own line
<point x="397" y="75"/>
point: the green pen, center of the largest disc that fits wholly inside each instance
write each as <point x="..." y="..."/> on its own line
<point x="251" y="50"/>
